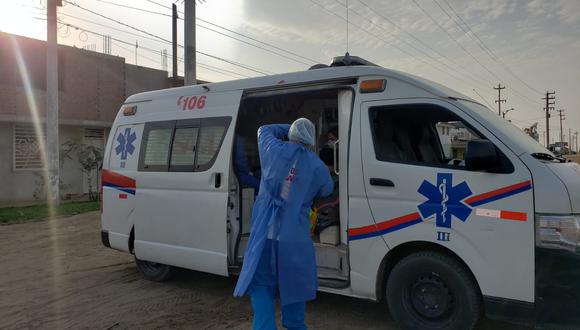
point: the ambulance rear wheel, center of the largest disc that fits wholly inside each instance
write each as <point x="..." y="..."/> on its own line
<point x="155" y="271"/>
<point x="430" y="290"/>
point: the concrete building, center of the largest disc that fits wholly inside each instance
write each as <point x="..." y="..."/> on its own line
<point x="92" y="87"/>
<point x="454" y="137"/>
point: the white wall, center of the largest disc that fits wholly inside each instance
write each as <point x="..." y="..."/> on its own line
<point x="18" y="186"/>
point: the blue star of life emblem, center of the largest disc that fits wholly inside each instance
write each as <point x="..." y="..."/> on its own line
<point x="125" y="146"/>
<point x="444" y="200"/>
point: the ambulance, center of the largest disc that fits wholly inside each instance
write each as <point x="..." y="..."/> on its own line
<point x="443" y="208"/>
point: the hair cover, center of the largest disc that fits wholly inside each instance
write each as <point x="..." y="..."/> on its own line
<point x="303" y="131"/>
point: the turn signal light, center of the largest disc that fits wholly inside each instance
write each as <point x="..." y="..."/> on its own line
<point x="130" y="111"/>
<point x="373" y="86"/>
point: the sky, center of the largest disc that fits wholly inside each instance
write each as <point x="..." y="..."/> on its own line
<point x="470" y="46"/>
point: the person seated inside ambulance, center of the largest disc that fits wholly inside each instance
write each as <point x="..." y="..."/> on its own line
<point x="246" y="177"/>
<point x="331" y="137"/>
<point x="327" y="211"/>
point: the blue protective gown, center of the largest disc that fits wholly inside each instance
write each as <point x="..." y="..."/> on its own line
<point x="242" y="166"/>
<point x="292" y="176"/>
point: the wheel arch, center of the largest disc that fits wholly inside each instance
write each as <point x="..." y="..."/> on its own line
<point x="402" y="250"/>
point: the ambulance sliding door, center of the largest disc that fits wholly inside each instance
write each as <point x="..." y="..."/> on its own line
<point x="183" y="186"/>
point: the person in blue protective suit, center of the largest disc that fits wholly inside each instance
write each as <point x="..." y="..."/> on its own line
<point x="280" y="255"/>
<point x="245" y="176"/>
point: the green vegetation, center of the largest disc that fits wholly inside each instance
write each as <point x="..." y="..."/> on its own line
<point x="11" y="215"/>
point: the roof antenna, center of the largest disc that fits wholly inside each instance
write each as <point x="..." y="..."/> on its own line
<point x="346" y="27"/>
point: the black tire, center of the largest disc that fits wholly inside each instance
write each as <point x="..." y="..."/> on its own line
<point x="155" y="271"/>
<point x="430" y="290"/>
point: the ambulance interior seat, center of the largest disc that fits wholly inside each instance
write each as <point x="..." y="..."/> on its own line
<point x="393" y="144"/>
<point x="428" y="146"/>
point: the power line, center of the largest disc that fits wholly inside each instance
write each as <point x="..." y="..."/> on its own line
<point x="485" y="49"/>
<point x="242" y="35"/>
<point x="421" y="42"/>
<point x="134" y="8"/>
<point x="149" y="49"/>
<point x="245" y="66"/>
<point x="389" y="42"/>
<point x="223" y="34"/>
<point x="140" y="36"/>
<point x="440" y="26"/>
<point x="484" y="100"/>
<point x="489" y="51"/>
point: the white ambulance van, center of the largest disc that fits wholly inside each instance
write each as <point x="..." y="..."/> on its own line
<point x="442" y="206"/>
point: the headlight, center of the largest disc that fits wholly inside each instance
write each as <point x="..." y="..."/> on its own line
<point x="558" y="232"/>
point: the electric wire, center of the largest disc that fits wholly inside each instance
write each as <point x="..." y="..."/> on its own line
<point x="149" y="49"/>
<point x="245" y="66"/>
<point x="419" y="50"/>
<point x="440" y="26"/>
<point x="241" y="34"/>
<point x="223" y="34"/>
<point x="489" y="51"/>
<point x="421" y="42"/>
<point x="382" y="39"/>
<point x="485" y="49"/>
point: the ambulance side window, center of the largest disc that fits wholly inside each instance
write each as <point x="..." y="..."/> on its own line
<point x="182" y="146"/>
<point x="183" y="149"/>
<point x="211" y="136"/>
<point x="155" y="147"/>
<point x="422" y="134"/>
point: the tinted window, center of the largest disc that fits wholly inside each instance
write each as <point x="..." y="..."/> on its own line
<point x="210" y="138"/>
<point x="157" y="140"/>
<point x="421" y="134"/>
<point x="182" y="146"/>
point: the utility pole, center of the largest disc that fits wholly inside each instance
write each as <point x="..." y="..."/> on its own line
<point x="189" y="36"/>
<point x="174" y="40"/>
<point x="550" y="97"/>
<point x="570" y="138"/>
<point x="136" y="46"/>
<point x="52" y="101"/>
<point x="576" y="144"/>
<point x="499" y="100"/>
<point x="562" y="117"/>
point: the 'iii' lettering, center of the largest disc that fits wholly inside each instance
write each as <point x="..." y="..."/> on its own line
<point x="443" y="236"/>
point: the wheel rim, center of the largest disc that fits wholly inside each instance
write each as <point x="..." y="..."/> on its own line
<point x="430" y="297"/>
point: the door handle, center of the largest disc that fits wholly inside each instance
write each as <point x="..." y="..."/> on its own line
<point x="381" y="182"/>
<point x="218" y="180"/>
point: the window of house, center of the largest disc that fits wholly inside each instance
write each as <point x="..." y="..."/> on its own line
<point x="182" y="146"/>
<point x="420" y="134"/>
<point x="27" y="148"/>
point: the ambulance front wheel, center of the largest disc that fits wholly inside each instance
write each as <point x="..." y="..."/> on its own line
<point x="155" y="271"/>
<point x="431" y="290"/>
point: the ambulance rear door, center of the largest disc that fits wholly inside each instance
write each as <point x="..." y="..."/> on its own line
<point x="184" y="168"/>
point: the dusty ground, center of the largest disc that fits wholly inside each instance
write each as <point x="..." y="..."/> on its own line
<point x="57" y="275"/>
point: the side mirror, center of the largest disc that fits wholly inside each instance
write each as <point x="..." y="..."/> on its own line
<point x="480" y="155"/>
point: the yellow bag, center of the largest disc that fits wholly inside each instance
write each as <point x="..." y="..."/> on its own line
<point x="313" y="219"/>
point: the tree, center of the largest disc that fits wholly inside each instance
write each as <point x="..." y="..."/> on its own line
<point x="89" y="157"/>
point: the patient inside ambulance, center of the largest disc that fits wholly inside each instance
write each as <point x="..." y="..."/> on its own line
<point x="321" y="108"/>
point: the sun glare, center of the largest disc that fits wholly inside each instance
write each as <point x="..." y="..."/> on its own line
<point x="18" y="17"/>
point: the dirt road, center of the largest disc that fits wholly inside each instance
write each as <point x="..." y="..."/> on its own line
<point x="56" y="275"/>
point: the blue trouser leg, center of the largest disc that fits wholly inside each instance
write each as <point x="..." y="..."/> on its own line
<point x="293" y="316"/>
<point x="264" y="307"/>
<point x="263" y="291"/>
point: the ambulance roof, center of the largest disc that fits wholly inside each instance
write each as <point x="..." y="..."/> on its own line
<point x="302" y="78"/>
